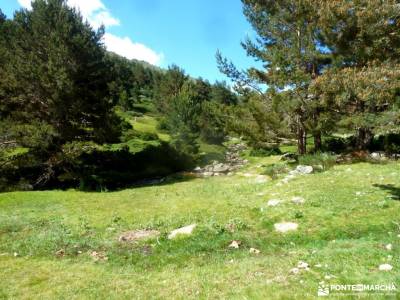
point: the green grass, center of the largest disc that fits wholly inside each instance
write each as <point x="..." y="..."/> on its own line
<point x="339" y="228"/>
<point x="148" y="124"/>
<point x="210" y="152"/>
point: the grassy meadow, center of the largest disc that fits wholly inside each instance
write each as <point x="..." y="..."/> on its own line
<point x="350" y="214"/>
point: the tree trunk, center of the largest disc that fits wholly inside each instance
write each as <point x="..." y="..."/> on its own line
<point x="364" y="138"/>
<point x="317" y="141"/>
<point x="301" y="140"/>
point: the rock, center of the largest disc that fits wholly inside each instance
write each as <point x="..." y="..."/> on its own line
<point x="273" y="202"/>
<point x="254" y="251"/>
<point x="261" y="179"/>
<point x="197" y="169"/>
<point x="221" y="168"/>
<point x="294" y="271"/>
<point x="303" y="265"/>
<point x="289" y="156"/>
<point x="208" y="174"/>
<point x="389" y="247"/>
<point x="377" y="155"/>
<point x="286" y="226"/>
<point x="298" y="200"/>
<point x="187" y="230"/>
<point x="137" y="235"/>
<point x="248" y="175"/>
<point x="385" y="267"/>
<point x="304" y="169"/>
<point x="235" y="244"/>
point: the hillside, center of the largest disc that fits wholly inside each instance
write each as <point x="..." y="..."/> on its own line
<point x="348" y="219"/>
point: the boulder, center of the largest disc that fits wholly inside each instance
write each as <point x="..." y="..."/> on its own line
<point x="298" y="200"/>
<point x="303" y="265"/>
<point x="254" y="251"/>
<point x="289" y="156"/>
<point x="274" y="202"/>
<point x="286" y="226"/>
<point x="221" y="168"/>
<point x="375" y="155"/>
<point x="208" y="174"/>
<point x="235" y="244"/>
<point x="304" y="169"/>
<point x="385" y="267"/>
<point x="261" y="179"/>
<point x="187" y="230"/>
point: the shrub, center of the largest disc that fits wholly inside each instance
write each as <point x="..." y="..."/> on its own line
<point x="133" y="134"/>
<point x="326" y="160"/>
<point x="389" y="143"/>
<point x="338" y="144"/>
<point x="103" y="169"/>
<point x="275" y="169"/>
<point x="265" y="152"/>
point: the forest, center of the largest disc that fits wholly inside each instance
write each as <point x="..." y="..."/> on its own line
<point x="66" y="102"/>
<point x="281" y="181"/>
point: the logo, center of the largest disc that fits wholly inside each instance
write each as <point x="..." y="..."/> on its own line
<point x="355" y="289"/>
<point x="323" y="290"/>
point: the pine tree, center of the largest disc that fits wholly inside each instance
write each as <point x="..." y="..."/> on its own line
<point x="55" y="88"/>
<point x="287" y="45"/>
<point x="363" y="83"/>
<point x="60" y="76"/>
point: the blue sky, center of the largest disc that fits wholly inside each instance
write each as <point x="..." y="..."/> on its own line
<point x="162" y="32"/>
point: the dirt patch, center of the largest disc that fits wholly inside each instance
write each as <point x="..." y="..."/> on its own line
<point x="137" y="235"/>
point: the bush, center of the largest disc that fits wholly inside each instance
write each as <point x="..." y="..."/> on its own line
<point x="132" y="134"/>
<point x="275" y="169"/>
<point x="320" y="161"/>
<point x="265" y="152"/>
<point x="109" y="169"/>
<point x="339" y="144"/>
<point x="389" y="143"/>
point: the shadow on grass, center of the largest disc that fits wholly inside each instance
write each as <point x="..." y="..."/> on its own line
<point x="393" y="190"/>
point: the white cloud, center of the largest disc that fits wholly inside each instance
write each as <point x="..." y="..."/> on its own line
<point x="25" y="3"/>
<point x="93" y="10"/>
<point x="125" y="47"/>
<point x="97" y="14"/>
<point x="103" y="18"/>
<point x="87" y="7"/>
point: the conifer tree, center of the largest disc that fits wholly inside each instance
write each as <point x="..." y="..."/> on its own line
<point x="287" y="45"/>
<point x="363" y="83"/>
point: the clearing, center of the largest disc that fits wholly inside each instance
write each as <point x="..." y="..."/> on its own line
<point x="65" y="244"/>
